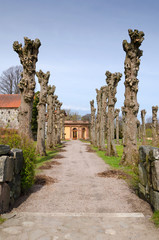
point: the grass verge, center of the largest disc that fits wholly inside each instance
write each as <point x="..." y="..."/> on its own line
<point x="155" y="218"/>
<point x="114" y="163"/>
<point x="2" y="220"/>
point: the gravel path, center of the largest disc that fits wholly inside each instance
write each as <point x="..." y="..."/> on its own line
<point x="80" y="205"/>
<point x="79" y="189"/>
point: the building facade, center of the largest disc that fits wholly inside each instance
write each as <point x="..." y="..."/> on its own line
<point x="76" y="130"/>
<point x="9" y="109"/>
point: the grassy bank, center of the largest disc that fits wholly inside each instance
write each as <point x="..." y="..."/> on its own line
<point x="114" y="162"/>
<point x="155" y="218"/>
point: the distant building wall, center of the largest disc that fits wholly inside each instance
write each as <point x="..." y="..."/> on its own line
<point x="76" y="130"/>
<point x="67" y="132"/>
<point x="9" y="118"/>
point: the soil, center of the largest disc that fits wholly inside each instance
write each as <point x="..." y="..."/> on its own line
<point x="114" y="174"/>
<point x="89" y="149"/>
<point x="58" y="156"/>
<point x="44" y="180"/>
<point x="49" y="165"/>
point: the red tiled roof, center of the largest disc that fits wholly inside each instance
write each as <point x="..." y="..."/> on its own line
<point x="79" y="122"/>
<point x="10" y="100"/>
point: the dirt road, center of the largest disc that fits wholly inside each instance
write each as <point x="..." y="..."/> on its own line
<point x="80" y="205"/>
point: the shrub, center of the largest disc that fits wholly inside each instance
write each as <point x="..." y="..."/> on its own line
<point x="11" y="138"/>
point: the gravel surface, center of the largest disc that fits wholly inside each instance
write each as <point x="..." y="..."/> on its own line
<point x="79" y="205"/>
<point x="79" y="189"/>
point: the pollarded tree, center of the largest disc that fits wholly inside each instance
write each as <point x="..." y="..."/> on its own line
<point x="50" y="123"/>
<point x="28" y="57"/>
<point x="131" y="106"/>
<point x="10" y="79"/>
<point x="43" y="80"/>
<point x="34" y="122"/>
<point x="112" y="81"/>
<point x="58" y="112"/>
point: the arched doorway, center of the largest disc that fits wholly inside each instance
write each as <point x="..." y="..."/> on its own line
<point x="83" y="133"/>
<point x="74" y="133"/>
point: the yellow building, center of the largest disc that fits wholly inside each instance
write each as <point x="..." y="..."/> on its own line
<point x="76" y="130"/>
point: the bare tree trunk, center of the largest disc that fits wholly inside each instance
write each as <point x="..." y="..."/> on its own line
<point x="112" y="81"/>
<point x="93" y="132"/>
<point x="104" y="97"/>
<point x="98" y="120"/>
<point x="56" y="124"/>
<point x="49" y="141"/>
<point x="143" y="113"/>
<point x="123" y="124"/>
<point x="62" y="124"/>
<point x="138" y="130"/>
<point x="131" y="106"/>
<point x="43" y="81"/>
<point x="117" y="124"/>
<point x="54" y="121"/>
<point x="154" y="126"/>
<point x="58" y="111"/>
<point x="28" y="58"/>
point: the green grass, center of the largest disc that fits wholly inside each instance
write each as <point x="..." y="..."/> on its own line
<point x="114" y="163"/>
<point x="2" y="220"/>
<point x="155" y="218"/>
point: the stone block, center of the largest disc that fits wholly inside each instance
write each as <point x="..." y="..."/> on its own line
<point x="6" y="168"/>
<point x="15" y="187"/>
<point x="155" y="175"/>
<point x="154" y="154"/>
<point x="143" y="174"/>
<point x="154" y="198"/>
<point x="4" y="149"/>
<point x="4" y="197"/>
<point x="142" y="190"/>
<point x="143" y="152"/>
<point x="18" y="159"/>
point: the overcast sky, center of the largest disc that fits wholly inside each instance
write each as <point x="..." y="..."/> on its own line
<point x="81" y="40"/>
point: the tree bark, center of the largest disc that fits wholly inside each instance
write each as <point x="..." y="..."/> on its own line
<point x="49" y="141"/>
<point x="54" y="140"/>
<point x="58" y="112"/>
<point x="93" y="110"/>
<point x="104" y="97"/>
<point x="143" y="113"/>
<point x="28" y="58"/>
<point x="62" y="116"/>
<point x="98" y="119"/>
<point x="117" y="124"/>
<point x="43" y="81"/>
<point x="112" y="81"/>
<point x="131" y="106"/>
<point x="154" y="126"/>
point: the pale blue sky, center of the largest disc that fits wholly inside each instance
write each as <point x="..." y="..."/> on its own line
<point x="81" y="40"/>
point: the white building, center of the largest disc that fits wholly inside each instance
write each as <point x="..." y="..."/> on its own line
<point x="9" y="108"/>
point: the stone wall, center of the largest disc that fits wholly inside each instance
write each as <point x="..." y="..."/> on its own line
<point x="9" y="118"/>
<point x="11" y="163"/>
<point x="149" y="175"/>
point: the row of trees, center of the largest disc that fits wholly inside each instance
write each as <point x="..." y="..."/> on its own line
<point x="106" y="104"/>
<point x="33" y="106"/>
